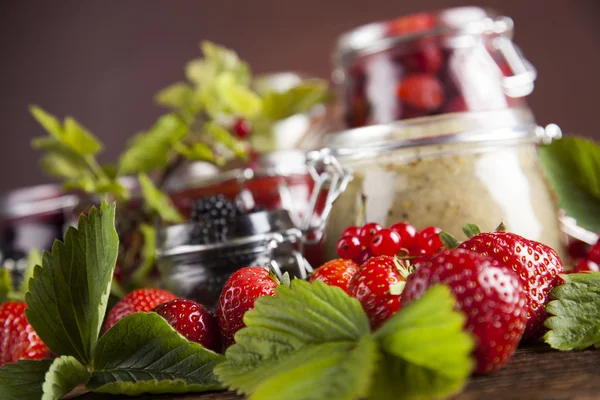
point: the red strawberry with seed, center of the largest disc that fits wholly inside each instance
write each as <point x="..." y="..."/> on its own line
<point x="376" y="285"/>
<point x="487" y="292"/>
<point x="193" y="321"/>
<point x="536" y="265"/>
<point x="336" y="273"/>
<point x="238" y="296"/>
<point x="18" y="340"/>
<point x="140" y="300"/>
<point x="423" y="91"/>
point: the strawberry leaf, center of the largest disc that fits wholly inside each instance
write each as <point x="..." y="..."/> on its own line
<point x="426" y="351"/>
<point x="64" y="375"/>
<point x="290" y="332"/>
<point x="471" y="230"/>
<point x="23" y="380"/>
<point x="573" y="168"/>
<point x="449" y="241"/>
<point x="142" y="353"/>
<point x="575" y="320"/>
<point x="158" y="201"/>
<point x="67" y="297"/>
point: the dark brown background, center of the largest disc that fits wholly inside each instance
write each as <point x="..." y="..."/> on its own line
<point x="101" y="61"/>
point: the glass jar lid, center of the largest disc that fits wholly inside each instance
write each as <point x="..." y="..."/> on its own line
<point x="35" y="200"/>
<point x="500" y="126"/>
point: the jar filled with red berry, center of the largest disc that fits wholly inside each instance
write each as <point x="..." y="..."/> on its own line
<point x="454" y="60"/>
<point x="447" y="171"/>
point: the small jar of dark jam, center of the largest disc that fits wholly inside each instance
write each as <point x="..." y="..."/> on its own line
<point x="453" y="60"/>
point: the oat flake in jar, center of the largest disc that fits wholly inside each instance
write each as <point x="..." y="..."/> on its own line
<point x="446" y="171"/>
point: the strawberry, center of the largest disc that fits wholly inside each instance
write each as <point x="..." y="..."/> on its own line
<point x="193" y="321"/>
<point x="488" y="293"/>
<point x="238" y="295"/>
<point x="536" y="265"/>
<point x="374" y="286"/>
<point x="18" y="340"/>
<point x="423" y="91"/>
<point x="140" y="300"/>
<point x="336" y="273"/>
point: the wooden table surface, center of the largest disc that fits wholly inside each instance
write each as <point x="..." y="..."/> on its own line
<point x="535" y="372"/>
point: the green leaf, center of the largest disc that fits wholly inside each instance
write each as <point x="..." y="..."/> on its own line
<point x="225" y="137"/>
<point x="48" y="121"/>
<point x="158" y="201"/>
<point x="6" y="285"/>
<point x="143" y="354"/>
<point x="60" y="160"/>
<point x="200" y="71"/>
<point x="282" y="330"/>
<point x="68" y="294"/>
<point x="575" y="320"/>
<point x="471" y="230"/>
<point x="80" y="139"/>
<point x="296" y="100"/>
<point x="64" y="375"/>
<point x="178" y="95"/>
<point x="221" y="59"/>
<point x="33" y="258"/>
<point x="150" y="150"/>
<point x="573" y="168"/>
<point x="148" y="256"/>
<point x="326" y="371"/>
<point x="427" y="353"/>
<point x="238" y="98"/>
<point x="23" y="380"/>
<point x="449" y="241"/>
<point x="196" y="152"/>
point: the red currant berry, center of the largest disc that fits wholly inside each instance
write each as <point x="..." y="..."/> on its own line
<point x="578" y="249"/>
<point x="407" y="234"/>
<point x="386" y="242"/>
<point x="416" y="252"/>
<point x="587" y="266"/>
<point x="429" y="240"/>
<point x="242" y="128"/>
<point x="367" y="232"/>
<point x="364" y="256"/>
<point x="595" y="253"/>
<point x="351" y="231"/>
<point x="349" y="247"/>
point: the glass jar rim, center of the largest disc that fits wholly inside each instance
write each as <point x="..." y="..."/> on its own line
<point x="454" y="128"/>
<point x="451" y="22"/>
<point x="35" y="200"/>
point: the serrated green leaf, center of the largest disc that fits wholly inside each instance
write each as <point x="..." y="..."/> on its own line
<point x="60" y="160"/>
<point x="48" y="121"/>
<point x="573" y="168"/>
<point x="64" y="375"/>
<point x="296" y="100"/>
<point x="79" y="139"/>
<point x="575" y="320"/>
<point x="68" y="294"/>
<point x="282" y="330"/>
<point x="33" y="258"/>
<point x="23" y="380"/>
<point x="238" y="98"/>
<point x="143" y="354"/>
<point x="427" y="353"/>
<point x="150" y="150"/>
<point x="334" y="371"/>
<point x="6" y="285"/>
<point x="158" y="201"/>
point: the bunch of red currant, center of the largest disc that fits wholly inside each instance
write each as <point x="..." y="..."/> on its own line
<point x="361" y="243"/>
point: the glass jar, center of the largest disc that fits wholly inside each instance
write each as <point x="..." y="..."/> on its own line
<point x="32" y="218"/>
<point x="446" y="171"/>
<point x="199" y="272"/>
<point x="454" y="60"/>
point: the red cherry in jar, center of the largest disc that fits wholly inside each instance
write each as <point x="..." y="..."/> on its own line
<point x="242" y="128"/>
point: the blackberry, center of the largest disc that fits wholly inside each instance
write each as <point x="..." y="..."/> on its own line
<point x="208" y="231"/>
<point x="215" y="207"/>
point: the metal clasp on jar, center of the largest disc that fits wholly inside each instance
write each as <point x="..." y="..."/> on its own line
<point x="331" y="180"/>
